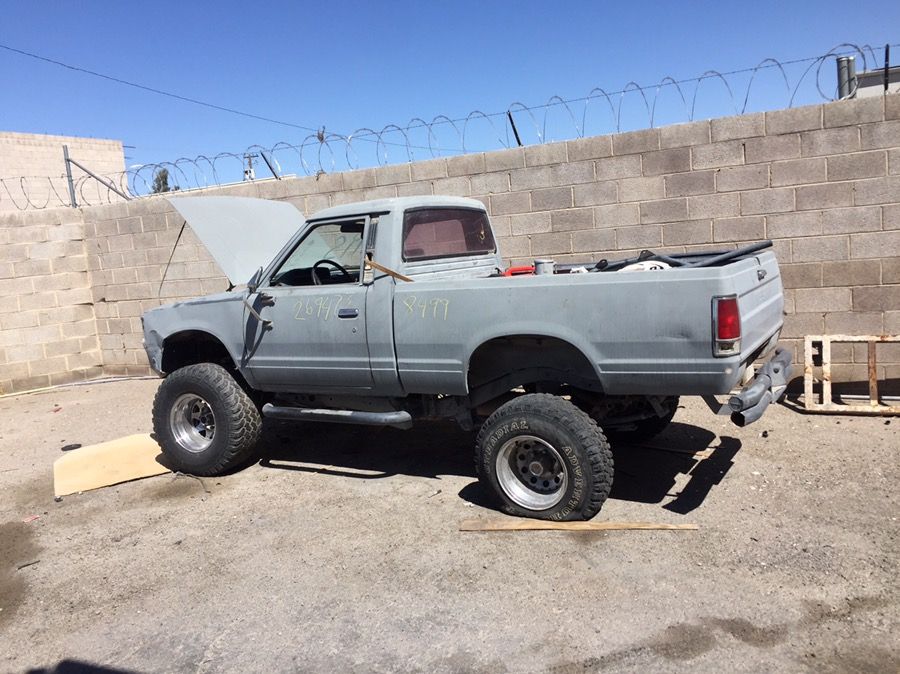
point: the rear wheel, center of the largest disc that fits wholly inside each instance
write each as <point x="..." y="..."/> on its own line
<point x="204" y="421"/>
<point x="542" y="457"/>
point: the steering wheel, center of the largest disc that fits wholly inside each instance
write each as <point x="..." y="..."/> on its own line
<point x="334" y="264"/>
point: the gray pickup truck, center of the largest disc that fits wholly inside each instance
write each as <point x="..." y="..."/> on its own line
<point x="390" y="311"/>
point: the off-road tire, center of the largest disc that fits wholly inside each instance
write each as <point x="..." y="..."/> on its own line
<point x="586" y="459"/>
<point x="237" y="420"/>
<point x="645" y="428"/>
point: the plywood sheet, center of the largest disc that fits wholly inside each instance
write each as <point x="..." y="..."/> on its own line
<point x="113" y="462"/>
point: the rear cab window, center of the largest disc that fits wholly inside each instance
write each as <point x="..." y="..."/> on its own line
<point x="432" y="233"/>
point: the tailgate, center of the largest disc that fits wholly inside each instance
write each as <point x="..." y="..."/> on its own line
<point x="760" y="301"/>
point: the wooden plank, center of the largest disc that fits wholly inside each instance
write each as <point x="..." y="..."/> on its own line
<point x="873" y="376"/>
<point x="510" y="524"/>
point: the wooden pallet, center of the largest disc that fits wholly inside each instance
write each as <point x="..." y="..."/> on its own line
<point x="821" y="344"/>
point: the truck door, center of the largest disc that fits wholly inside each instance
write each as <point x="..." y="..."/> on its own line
<point x="314" y="308"/>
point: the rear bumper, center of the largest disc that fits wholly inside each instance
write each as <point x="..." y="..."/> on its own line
<point x="767" y="387"/>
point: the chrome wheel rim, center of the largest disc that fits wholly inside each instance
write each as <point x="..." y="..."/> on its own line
<point x="531" y="472"/>
<point x="192" y="422"/>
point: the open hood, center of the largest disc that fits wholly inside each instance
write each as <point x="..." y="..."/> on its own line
<point x="242" y="234"/>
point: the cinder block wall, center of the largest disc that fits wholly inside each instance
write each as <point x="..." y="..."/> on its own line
<point x="822" y="181"/>
<point x="48" y="334"/>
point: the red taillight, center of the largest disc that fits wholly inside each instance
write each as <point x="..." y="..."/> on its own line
<point x="726" y="326"/>
<point x="728" y="319"/>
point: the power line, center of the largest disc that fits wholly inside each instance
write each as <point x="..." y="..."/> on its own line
<point x="153" y="90"/>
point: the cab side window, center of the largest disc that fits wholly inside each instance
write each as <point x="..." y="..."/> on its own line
<point x="329" y="253"/>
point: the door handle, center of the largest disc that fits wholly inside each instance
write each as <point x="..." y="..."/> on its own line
<point x="348" y="313"/>
<point x="266" y="300"/>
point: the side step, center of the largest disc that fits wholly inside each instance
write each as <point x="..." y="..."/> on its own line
<point x="396" y="419"/>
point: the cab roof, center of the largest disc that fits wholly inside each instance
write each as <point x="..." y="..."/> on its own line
<point x="394" y="204"/>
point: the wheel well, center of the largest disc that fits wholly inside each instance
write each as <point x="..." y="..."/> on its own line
<point x="528" y="359"/>
<point x="193" y="346"/>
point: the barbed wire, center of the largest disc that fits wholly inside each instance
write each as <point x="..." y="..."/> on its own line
<point x="323" y="151"/>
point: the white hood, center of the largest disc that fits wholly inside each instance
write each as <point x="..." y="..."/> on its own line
<point x="242" y="234"/>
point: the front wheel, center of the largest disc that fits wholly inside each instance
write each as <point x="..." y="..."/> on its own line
<point x="542" y="457"/>
<point x="204" y="421"/>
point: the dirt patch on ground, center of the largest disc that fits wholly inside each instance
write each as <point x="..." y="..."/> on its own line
<point x="340" y="550"/>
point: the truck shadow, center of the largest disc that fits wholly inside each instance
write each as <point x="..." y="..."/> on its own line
<point x="644" y="473"/>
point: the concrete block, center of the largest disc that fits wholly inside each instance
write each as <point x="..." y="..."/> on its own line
<point x="503" y="160"/>
<point x="515" y="246"/>
<point x="854" y="111"/>
<point x="414" y="189"/>
<point x="695" y="182"/>
<point x="883" y="135"/>
<point x="594" y="241"/>
<point x="17" y="321"/>
<point x="489" y="183"/>
<point x="390" y="175"/>
<point x="69" y="232"/>
<point x="74" y="296"/>
<point x="820" y="248"/>
<point x="69" y="264"/>
<point x="15" y="252"/>
<point x="617" y="215"/>
<point x="742" y="178"/>
<point x="799" y="171"/>
<point x="794" y="119"/>
<point x="714" y="206"/>
<point x="684" y="135"/>
<point x="894" y="162"/>
<point x="552" y="198"/>
<point x="664" y="210"/>
<point x="674" y="160"/>
<point x="891" y="322"/>
<point x="876" y="298"/>
<point x="877" y="191"/>
<point x="595" y="194"/>
<point x="642" y="236"/>
<point x="552" y="176"/>
<point x="850" y="220"/>
<point x="457" y="186"/>
<point x="465" y="165"/>
<point x="427" y="170"/>
<point x="357" y="180"/>
<point x="874" y="244"/>
<point x="716" y="155"/>
<point x="589" y="148"/>
<point x="618" y="167"/>
<point x="689" y="232"/>
<point x="31" y="268"/>
<point x="512" y="202"/>
<point x="739" y="229"/>
<point x="384" y="192"/>
<point x="574" y="218"/>
<point x="829" y="141"/>
<point x="890" y="270"/>
<point x="858" y="165"/>
<point x="853" y="323"/>
<point x="807" y="223"/>
<point x="772" y="148"/>
<point x="892" y="106"/>
<point x="802" y="275"/>
<point x="634" y="142"/>
<point x="772" y="200"/>
<point x="156" y="222"/>
<point x="851" y="273"/>
<point x="546" y="153"/>
<point x="128" y="225"/>
<point x="548" y="244"/>
<point x="800" y="325"/>
<point x="822" y="299"/>
<point x="529" y="223"/>
<point x="28" y="234"/>
<point x="828" y="195"/>
<point x="641" y="189"/>
<point x="741" y="126"/>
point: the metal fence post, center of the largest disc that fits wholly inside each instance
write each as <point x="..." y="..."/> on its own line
<point x="69" y="176"/>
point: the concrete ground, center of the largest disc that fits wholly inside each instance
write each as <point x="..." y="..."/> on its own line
<point x="340" y="551"/>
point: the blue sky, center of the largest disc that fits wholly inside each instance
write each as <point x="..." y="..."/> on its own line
<point x="348" y="65"/>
